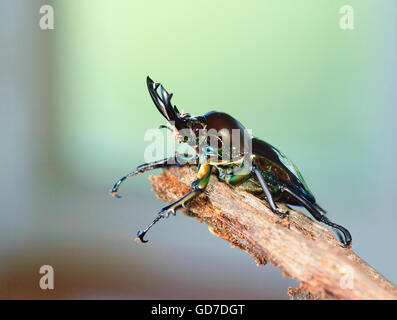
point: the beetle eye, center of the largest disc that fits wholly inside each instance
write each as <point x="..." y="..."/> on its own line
<point x="196" y="128"/>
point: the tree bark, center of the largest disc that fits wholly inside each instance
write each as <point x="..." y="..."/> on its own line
<point x="302" y="248"/>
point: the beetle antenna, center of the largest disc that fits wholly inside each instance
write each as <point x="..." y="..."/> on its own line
<point x="165" y="127"/>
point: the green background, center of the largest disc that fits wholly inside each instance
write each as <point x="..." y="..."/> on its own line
<point x="76" y="109"/>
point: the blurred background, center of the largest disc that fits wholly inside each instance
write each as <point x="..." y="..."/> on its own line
<point x="74" y="110"/>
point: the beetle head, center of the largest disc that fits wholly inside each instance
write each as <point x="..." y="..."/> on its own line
<point x="179" y="121"/>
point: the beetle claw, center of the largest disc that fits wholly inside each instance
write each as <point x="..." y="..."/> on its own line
<point x="114" y="194"/>
<point x="140" y="236"/>
<point x="282" y="215"/>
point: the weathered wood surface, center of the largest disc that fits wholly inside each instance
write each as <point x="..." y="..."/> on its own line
<point x="302" y="248"/>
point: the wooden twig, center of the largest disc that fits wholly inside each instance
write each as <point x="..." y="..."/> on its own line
<point x="302" y="248"/>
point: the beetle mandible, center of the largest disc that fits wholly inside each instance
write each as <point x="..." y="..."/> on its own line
<point x="251" y="164"/>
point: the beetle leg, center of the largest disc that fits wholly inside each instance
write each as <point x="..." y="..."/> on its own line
<point x="196" y="188"/>
<point x="319" y="214"/>
<point x="236" y="176"/>
<point x="319" y="208"/>
<point x="167" y="162"/>
<point x="269" y="196"/>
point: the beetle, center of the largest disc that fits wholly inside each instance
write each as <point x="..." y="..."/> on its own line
<point x="247" y="163"/>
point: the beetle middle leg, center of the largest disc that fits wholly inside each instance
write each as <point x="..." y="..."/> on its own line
<point x="268" y="194"/>
<point x="241" y="174"/>
<point x="196" y="188"/>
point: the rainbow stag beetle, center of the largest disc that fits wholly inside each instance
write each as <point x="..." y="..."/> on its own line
<point x="256" y="166"/>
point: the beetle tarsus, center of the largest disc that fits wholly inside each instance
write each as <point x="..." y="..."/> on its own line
<point x="165" y="213"/>
<point x="115" y="188"/>
<point x="141" y="234"/>
<point x="197" y="188"/>
<point x="316" y="211"/>
<point x="114" y="194"/>
<point x="167" y="162"/>
<point x="282" y="215"/>
<point x="348" y="238"/>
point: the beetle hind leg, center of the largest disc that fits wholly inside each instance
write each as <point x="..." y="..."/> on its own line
<point x="319" y="208"/>
<point x="319" y="214"/>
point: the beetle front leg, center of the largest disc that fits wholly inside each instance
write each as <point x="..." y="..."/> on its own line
<point x="167" y="162"/>
<point x="196" y="188"/>
<point x="269" y="196"/>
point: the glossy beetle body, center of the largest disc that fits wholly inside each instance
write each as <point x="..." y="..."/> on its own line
<point x="278" y="169"/>
<point x="221" y="142"/>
